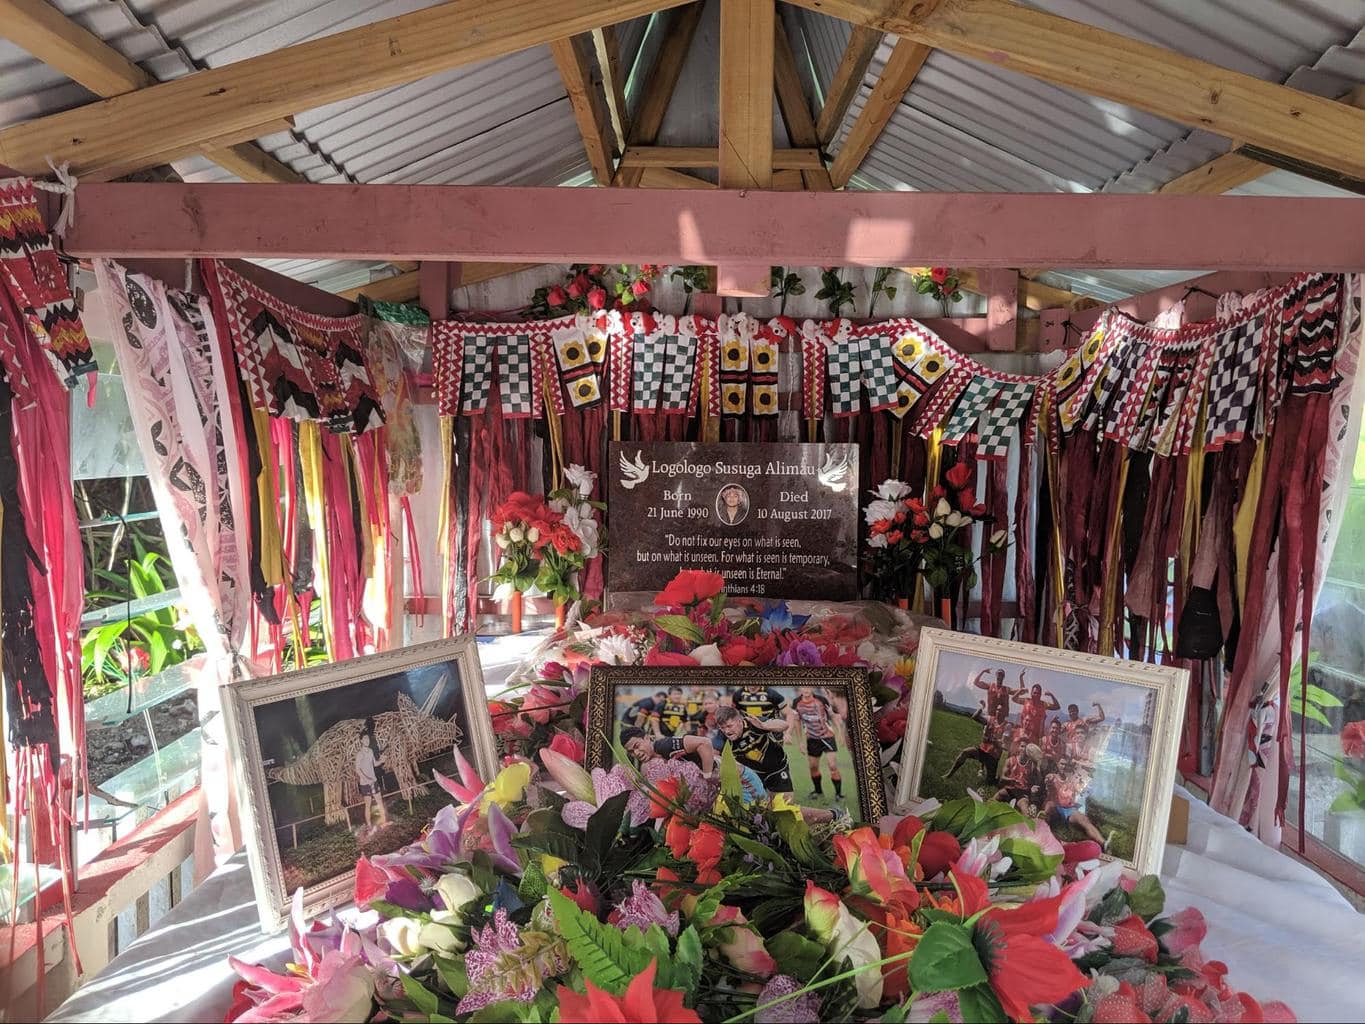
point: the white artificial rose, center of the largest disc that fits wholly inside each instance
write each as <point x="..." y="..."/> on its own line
<point x="456" y="889"/>
<point x="708" y="654"/>
<point x="958" y="519"/>
<point x="402" y="935"/>
<point x="533" y="534"/>
<point x="516" y="534"/>
<point x="617" y="650"/>
<point x="998" y="538"/>
<point x="880" y="509"/>
<point x="580" y="478"/>
<point x="935" y="531"/>
<point x="877" y="540"/>
<point x="854" y="939"/>
<point x="892" y="490"/>
<point x="439" y="933"/>
<point x="942" y="509"/>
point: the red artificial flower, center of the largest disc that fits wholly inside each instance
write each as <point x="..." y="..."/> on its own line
<point x="556" y="297"/>
<point x="641" y="1004"/>
<point x="596" y="269"/>
<point x="506" y="721"/>
<point x="1086" y="849"/>
<point x="1353" y="739"/>
<point x="880" y="526"/>
<point x="894" y="537"/>
<point x="750" y="650"/>
<point x="665" y="797"/>
<point x="1024" y="968"/>
<point x="541" y="702"/>
<point x="939" y="274"/>
<point x="1121" y="1007"/>
<point x="658" y="656"/>
<point x="966" y="498"/>
<point x="922" y="519"/>
<point x="935" y="494"/>
<point x="563" y="743"/>
<point x="708" y="842"/>
<point x="370" y="882"/>
<point x="583" y="894"/>
<point x="689" y="587"/>
<point x="575" y="290"/>
<point x="920" y="536"/>
<point x="938" y="851"/>
<point x="959" y="476"/>
<point x="639" y="287"/>
<point x="891" y="726"/>
<point x="677" y="837"/>
<point x="899" y="518"/>
<point x="241" y="999"/>
<point x="597" y="298"/>
<point x="1133" y="938"/>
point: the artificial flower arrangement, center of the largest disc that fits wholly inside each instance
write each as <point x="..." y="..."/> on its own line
<point x="659" y="894"/>
<point x="546" y="545"/>
<point x="910" y="539"/>
<point x="591" y="287"/>
<point x="940" y="282"/>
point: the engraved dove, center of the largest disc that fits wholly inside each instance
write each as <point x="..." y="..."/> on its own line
<point x="633" y="473"/>
<point x="834" y="472"/>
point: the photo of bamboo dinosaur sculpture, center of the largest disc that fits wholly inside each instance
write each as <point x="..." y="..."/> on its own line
<point x="406" y="736"/>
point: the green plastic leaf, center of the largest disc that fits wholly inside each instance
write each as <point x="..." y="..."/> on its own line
<point x="680" y="626"/>
<point x="600" y="950"/>
<point x="1029" y="860"/>
<point x="730" y="786"/>
<point x="754" y="848"/>
<point x="603" y="827"/>
<point x="709" y="901"/>
<point x="1310" y="712"/>
<point x="979" y="1003"/>
<point x="421" y="997"/>
<point x="689" y="955"/>
<point x="946" y="961"/>
<point x="1147" y="898"/>
<point x="796" y="955"/>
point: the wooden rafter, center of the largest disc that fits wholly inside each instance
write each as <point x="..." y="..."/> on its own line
<point x="747" y="30"/>
<point x="696" y="157"/>
<point x="663" y="79"/>
<point x="848" y="78"/>
<point x="56" y="40"/>
<point x="1235" y="168"/>
<point x="666" y="177"/>
<point x="608" y="53"/>
<point x="589" y="106"/>
<point x="791" y="103"/>
<point x="1032" y="294"/>
<point x="1296" y="125"/>
<point x="901" y="68"/>
<point x="305" y="76"/>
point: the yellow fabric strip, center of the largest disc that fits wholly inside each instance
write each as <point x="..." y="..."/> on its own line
<point x="310" y="458"/>
<point x="268" y="498"/>
<point x="1109" y="603"/>
<point x="443" y="522"/>
<point x="1245" y="519"/>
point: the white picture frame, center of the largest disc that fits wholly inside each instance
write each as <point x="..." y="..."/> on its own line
<point x="266" y="716"/>
<point x="1094" y="771"/>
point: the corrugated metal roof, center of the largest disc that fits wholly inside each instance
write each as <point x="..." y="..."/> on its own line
<point x="964" y="126"/>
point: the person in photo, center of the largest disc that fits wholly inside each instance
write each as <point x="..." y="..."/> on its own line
<point x="1079" y="731"/>
<point x="1054" y="744"/>
<point x="815" y="718"/>
<point x="367" y="759"/>
<point x="757" y="744"/>
<point x="678" y="715"/>
<point x="1033" y="714"/>
<point x="998" y="692"/>
<point x="987" y="752"/>
<point x="759" y="701"/>
<point x="642" y="748"/>
<point x="644" y="713"/>
<point x="1066" y="800"/>
<point x="732" y="505"/>
<point x="1022" y="778"/>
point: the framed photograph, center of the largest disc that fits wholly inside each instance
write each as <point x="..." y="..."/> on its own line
<point x="334" y="762"/>
<point x="806" y="732"/>
<point x="1084" y="742"/>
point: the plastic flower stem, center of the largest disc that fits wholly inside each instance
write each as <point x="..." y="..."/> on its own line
<point x="876" y="965"/>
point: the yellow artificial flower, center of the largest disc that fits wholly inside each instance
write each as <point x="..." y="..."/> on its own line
<point x="509" y="787"/>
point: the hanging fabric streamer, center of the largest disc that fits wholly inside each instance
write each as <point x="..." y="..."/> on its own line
<point x="877" y="367"/>
<point x="299" y="365"/>
<point x="845" y="368"/>
<point x="978" y="396"/>
<point x="679" y="362"/>
<point x="764" y="353"/>
<point x="576" y="366"/>
<point x="515" y="381"/>
<point x="544" y="376"/>
<point x="476" y="376"/>
<point x="735" y="334"/>
<point x="1235" y="383"/>
<point x="34" y="277"/>
<point x="814" y="371"/>
<point x="998" y="426"/>
<point x="447" y="364"/>
<point x="919" y="363"/>
<point x="651" y="341"/>
<point x="951" y="384"/>
<point x="621" y="361"/>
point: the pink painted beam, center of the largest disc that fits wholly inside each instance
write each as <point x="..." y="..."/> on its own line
<point x="1002" y="308"/>
<point x="744" y="281"/>
<point x="530" y="225"/>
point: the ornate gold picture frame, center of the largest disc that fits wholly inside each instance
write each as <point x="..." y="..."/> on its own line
<point x="1084" y="742"/>
<point x="334" y="762"/>
<point x="803" y="731"/>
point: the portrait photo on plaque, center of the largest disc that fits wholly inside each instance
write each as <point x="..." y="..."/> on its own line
<point x="335" y="762"/>
<point x="1085" y="743"/>
<point x="803" y="732"/>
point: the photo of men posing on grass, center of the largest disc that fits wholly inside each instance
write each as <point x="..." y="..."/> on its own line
<point x="1067" y="748"/>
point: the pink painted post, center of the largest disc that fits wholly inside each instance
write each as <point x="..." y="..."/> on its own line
<point x="435" y="282"/>
<point x="1002" y="308"/>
